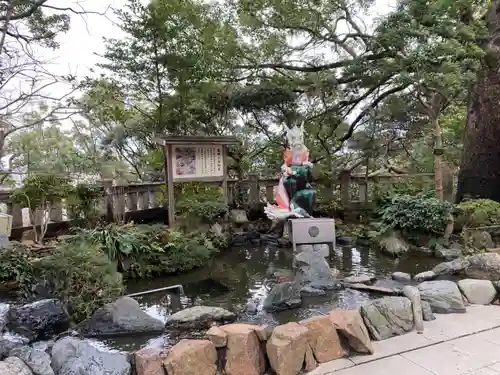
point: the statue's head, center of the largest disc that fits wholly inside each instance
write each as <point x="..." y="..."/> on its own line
<point x="295" y="136"/>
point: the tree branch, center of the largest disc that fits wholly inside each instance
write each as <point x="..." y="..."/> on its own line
<point x="35" y="5"/>
<point x="363" y="113"/>
<point x="316" y="68"/>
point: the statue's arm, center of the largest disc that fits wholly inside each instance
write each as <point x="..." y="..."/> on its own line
<point x="286" y="170"/>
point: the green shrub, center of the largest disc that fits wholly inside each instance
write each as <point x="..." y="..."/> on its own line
<point x="16" y="271"/>
<point x="152" y="249"/>
<point x="385" y="194"/>
<point x="197" y="202"/>
<point x="182" y="252"/>
<point x="82" y="276"/>
<point x="128" y="241"/>
<point x="416" y="214"/>
<point x="204" y="210"/>
<point x="82" y="204"/>
<point x="41" y="192"/>
<point x="477" y="213"/>
<point x="329" y="207"/>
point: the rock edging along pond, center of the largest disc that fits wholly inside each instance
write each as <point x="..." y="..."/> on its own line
<point x="289" y="349"/>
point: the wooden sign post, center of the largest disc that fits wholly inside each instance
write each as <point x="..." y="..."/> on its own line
<point x="194" y="159"/>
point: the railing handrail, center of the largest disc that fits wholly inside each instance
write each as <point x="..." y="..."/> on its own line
<point x="142" y="196"/>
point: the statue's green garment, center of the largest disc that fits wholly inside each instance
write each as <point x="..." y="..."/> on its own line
<point x="302" y="194"/>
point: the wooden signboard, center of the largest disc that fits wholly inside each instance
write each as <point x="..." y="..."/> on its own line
<point x="194" y="158"/>
<point x="195" y="163"/>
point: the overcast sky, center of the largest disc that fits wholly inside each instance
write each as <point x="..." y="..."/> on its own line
<point x="79" y="46"/>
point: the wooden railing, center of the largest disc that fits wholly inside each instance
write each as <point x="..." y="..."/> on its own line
<point x="144" y="200"/>
<point x="116" y="201"/>
<point x="358" y="189"/>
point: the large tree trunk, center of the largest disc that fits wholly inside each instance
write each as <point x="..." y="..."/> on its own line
<point x="479" y="175"/>
<point x="438" y="159"/>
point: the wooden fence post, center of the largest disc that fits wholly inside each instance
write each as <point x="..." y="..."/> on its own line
<point x="144" y="200"/>
<point x="153" y="198"/>
<point x="55" y="214"/>
<point x="132" y="201"/>
<point x="270" y="193"/>
<point x="17" y="215"/>
<point x="254" y="188"/>
<point x="363" y="191"/>
<point x="39" y="216"/>
<point x="119" y="200"/>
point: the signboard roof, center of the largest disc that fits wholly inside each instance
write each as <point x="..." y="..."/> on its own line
<point x="196" y="140"/>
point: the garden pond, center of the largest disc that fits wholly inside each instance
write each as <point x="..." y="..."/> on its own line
<point x="245" y="275"/>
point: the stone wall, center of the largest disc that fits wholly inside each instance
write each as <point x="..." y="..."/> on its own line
<point x="245" y="349"/>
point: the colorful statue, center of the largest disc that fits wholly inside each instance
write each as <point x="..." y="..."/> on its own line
<point x="295" y="196"/>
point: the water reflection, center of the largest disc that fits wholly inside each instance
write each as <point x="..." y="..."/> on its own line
<point x="241" y="275"/>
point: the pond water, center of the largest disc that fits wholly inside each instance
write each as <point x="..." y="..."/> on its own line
<point x="242" y="275"/>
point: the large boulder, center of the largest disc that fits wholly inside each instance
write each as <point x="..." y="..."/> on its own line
<point x="360" y="279"/>
<point x="413" y="294"/>
<point x="244" y="353"/>
<point x="199" y="317"/>
<point x="311" y="266"/>
<point x="308" y="290"/>
<point x="149" y="361"/>
<point x="192" y="357"/>
<point x="310" y="363"/>
<point x="263" y="332"/>
<point x="14" y="366"/>
<point x="323" y="249"/>
<point x="388" y="316"/>
<point x="9" y="341"/>
<point x="480" y="292"/>
<point x="424" y="276"/>
<point x="323" y="338"/>
<point x="119" y="317"/>
<point x="454" y="267"/>
<point x="36" y="358"/>
<point x="454" y="252"/>
<point x="71" y="356"/>
<point x="39" y="320"/>
<point x="4" y="316"/>
<point x="402" y="277"/>
<point x="286" y="348"/>
<point x="481" y="240"/>
<point x="483" y="266"/>
<point x="350" y="324"/>
<point x="427" y="313"/>
<point x="238" y="217"/>
<point x="283" y="296"/>
<point x="393" y="244"/>
<point x="443" y="296"/>
<point x="217" y="336"/>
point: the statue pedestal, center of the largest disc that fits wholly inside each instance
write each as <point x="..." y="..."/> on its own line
<point x="312" y="231"/>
